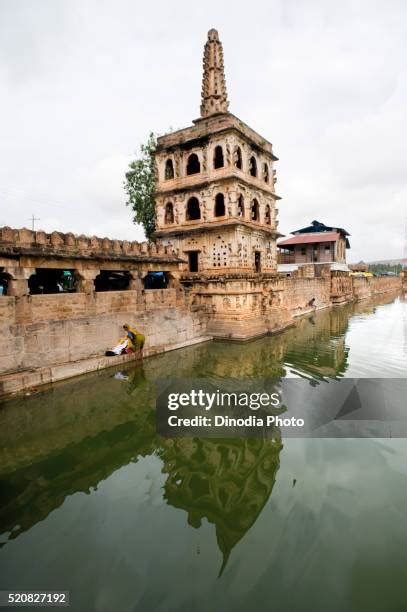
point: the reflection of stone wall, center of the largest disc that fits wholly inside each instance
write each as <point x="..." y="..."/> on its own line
<point x="318" y="346"/>
<point x="315" y="346"/>
<point x="33" y="430"/>
<point x="59" y="442"/>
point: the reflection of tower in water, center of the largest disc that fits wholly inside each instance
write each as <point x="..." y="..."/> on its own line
<point x="226" y="481"/>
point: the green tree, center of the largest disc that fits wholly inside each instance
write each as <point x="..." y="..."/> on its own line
<point x="140" y="186"/>
<point x="382" y="268"/>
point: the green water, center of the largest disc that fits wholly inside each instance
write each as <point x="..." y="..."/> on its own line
<point x="94" y="502"/>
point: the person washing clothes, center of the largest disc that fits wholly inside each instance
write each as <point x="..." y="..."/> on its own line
<point x="131" y="342"/>
<point x="135" y="340"/>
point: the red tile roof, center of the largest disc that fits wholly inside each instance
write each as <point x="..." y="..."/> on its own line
<point x="310" y="238"/>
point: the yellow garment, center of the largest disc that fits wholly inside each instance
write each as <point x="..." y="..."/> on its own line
<point x="137" y="342"/>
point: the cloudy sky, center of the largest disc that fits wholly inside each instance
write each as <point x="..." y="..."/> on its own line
<point x="83" y="82"/>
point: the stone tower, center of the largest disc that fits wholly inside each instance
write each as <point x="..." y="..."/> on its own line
<point x="215" y="196"/>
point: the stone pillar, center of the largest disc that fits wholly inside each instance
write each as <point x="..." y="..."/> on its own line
<point x="18" y="282"/>
<point x="136" y="282"/>
<point x="85" y="280"/>
<point x="17" y="287"/>
<point x="233" y="203"/>
<point x="173" y="282"/>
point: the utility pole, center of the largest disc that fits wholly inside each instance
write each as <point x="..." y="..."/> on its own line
<point x="404" y="266"/>
<point x="33" y="220"/>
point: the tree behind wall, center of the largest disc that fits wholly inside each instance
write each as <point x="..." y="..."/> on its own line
<point x="140" y="186"/>
<point x="383" y="268"/>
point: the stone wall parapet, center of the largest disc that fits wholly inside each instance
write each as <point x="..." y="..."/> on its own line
<point x="25" y="241"/>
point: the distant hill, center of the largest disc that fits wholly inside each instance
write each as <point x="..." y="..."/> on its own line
<point x="389" y="262"/>
<point x="382" y="262"/>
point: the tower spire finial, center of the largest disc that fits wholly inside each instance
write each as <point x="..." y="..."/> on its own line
<point x="214" y="95"/>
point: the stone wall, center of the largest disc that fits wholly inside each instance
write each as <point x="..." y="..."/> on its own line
<point x="23" y="251"/>
<point x="341" y="288"/>
<point x="249" y="306"/>
<point x="42" y="330"/>
<point x="301" y="293"/>
<point x="14" y="241"/>
<point x="364" y="288"/>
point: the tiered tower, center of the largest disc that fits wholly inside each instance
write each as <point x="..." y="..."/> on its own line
<point x="215" y="197"/>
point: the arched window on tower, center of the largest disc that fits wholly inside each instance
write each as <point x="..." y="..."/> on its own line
<point x="237" y="158"/>
<point x="219" y="205"/>
<point x="193" y="209"/>
<point x="169" y="170"/>
<point x="193" y="164"/>
<point x="267" y="215"/>
<point x="218" y="161"/>
<point x="252" y="166"/>
<point x="169" y="213"/>
<point x="240" y="206"/>
<point x="254" y="210"/>
<point x="265" y="173"/>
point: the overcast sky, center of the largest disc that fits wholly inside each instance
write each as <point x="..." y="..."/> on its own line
<point x="83" y="82"/>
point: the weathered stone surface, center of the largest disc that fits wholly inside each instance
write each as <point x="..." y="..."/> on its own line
<point x="364" y="288"/>
<point x="62" y="328"/>
<point x="26" y="243"/>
